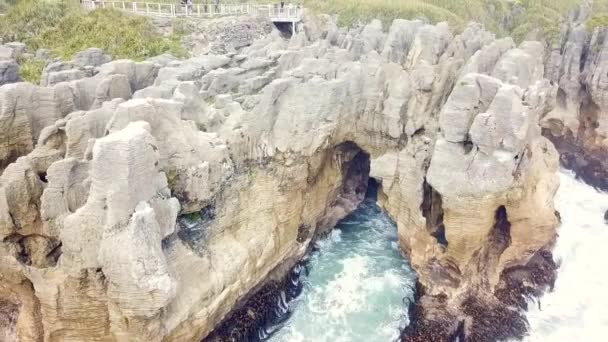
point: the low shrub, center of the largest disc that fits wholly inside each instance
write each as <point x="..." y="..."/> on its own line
<point x="31" y="70"/>
<point x="66" y="29"/>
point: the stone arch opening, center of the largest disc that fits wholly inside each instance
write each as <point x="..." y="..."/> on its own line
<point x="349" y="166"/>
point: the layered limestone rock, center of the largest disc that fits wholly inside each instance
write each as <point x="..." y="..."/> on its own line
<point x="26" y="109"/>
<point x="152" y="217"/>
<point x="578" y="126"/>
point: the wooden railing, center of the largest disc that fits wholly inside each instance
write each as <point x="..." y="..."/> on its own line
<point x="288" y="13"/>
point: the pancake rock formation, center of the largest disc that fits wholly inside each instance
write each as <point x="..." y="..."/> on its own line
<point x="145" y="201"/>
<point x="578" y="125"/>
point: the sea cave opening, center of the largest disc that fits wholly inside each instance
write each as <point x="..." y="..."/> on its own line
<point x="354" y="283"/>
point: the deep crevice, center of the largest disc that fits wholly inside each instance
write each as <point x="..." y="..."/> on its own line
<point x="501" y="234"/>
<point x="34" y="250"/>
<point x="259" y="308"/>
<point x="193" y="228"/>
<point x="432" y="210"/>
<point x="467" y="144"/>
<point x="285" y="29"/>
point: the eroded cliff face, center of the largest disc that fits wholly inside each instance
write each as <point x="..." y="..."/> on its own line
<point x="149" y="213"/>
<point x="578" y="126"/>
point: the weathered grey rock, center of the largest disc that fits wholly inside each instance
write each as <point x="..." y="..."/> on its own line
<point x="43" y="54"/>
<point x="162" y="60"/>
<point x="91" y="57"/>
<point x="140" y="75"/>
<point x="370" y="39"/>
<point x="112" y="87"/>
<point x="191" y="69"/>
<point x="429" y="44"/>
<point x="163" y="91"/>
<point x="53" y="78"/>
<point x="59" y="71"/>
<point x="20" y="193"/>
<point x="472" y="95"/>
<point x="261" y="144"/>
<point x="400" y="37"/>
<point x="25" y="110"/>
<point x="521" y="66"/>
<point x="221" y="35"/>
<point x="13" y="50"/>
<point x="9" y="72"/>
<point x="67" y="191"/>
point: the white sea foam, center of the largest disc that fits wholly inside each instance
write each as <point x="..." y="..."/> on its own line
<point x="577" y="308"/>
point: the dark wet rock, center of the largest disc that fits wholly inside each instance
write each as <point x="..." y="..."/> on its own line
<point x="589" y="164"/>
<point x="266" y="306"/>
<point x="479" y="317"/>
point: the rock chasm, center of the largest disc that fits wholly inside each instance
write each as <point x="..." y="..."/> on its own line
<point x="144" y="201"/>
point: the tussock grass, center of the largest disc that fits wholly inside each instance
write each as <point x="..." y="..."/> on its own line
<point x="63" y="27"/>
<point x="600" y="15"/>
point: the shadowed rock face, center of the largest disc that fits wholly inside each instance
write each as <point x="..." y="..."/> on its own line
<point x="176" y="197"/>
<point x="258" y="309"/>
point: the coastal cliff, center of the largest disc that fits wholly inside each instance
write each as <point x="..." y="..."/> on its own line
<point x="148" y="200"/>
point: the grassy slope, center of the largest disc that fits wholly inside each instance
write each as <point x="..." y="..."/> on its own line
<point x="65" y="29"/>
<point x="537" y="15"/>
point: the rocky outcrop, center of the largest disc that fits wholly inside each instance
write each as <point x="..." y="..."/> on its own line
<point x="9" y="69"/>
<point x="578" y="126"/>
<point x="26" y="109"/>
<point x="152" y="217"/>
<point x="9" y="72"/>
<point x="13" y="50"/>
<point x="216" y="35"/>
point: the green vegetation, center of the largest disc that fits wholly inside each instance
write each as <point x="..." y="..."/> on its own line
<point x="536" y="15"/>
<point x="5" y="5"/>
<point x="193" y="217"/>
<point x="66" y="29"/>
<point x="600" y="15"/>
<point x="597" y="21"/>
<point x="31" y="70"/>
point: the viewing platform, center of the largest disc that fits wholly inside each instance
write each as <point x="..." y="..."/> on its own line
<point x="288" y="14"/>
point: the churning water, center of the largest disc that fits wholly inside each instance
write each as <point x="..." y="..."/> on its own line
<point x="358" y="285"/>
<point x="577" y="308"/>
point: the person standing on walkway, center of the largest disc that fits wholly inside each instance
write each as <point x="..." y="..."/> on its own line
<point x="188" y="7"/>
<point x="217" y="6"/>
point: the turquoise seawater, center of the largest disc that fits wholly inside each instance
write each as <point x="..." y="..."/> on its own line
<point x="358" y="285"/>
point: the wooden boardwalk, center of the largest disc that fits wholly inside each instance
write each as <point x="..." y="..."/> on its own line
<point x="163" y="9"/>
